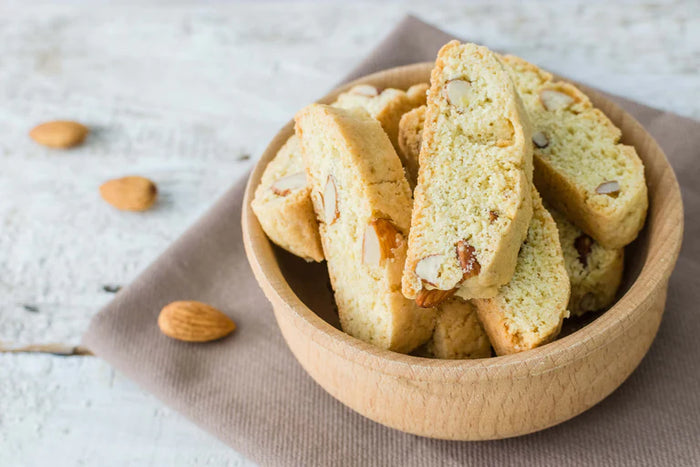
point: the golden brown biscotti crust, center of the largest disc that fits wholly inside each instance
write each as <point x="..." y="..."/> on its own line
<point x="417" y="94"/>
<point x="581" y="168"/>
<point x="283" y="206"/>
<point x="472" y="200"/>
<point x="410" y="137"/>
<point x="530" y="309"/>
<point x="363" y="203"/>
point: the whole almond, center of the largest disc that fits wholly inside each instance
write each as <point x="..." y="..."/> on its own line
<point x="193" y="321"/>
<point x="130" y="193"/>
<point x="59" y="134"/>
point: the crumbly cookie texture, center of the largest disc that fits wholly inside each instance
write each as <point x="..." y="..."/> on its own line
<point x="472" y="200"/>
<point x="418" y="94"/>
<point x="458" y="332"/>
<point x="530" y="309"/>
<point x="282" y="203"/>
<point x="386" y="106"/>
<point x="283" y="206"/>
<point x="595" y="272"/>
<point x="410" y="136"/>
<point x="581" y="168"/>
<point x="363" y="203"/>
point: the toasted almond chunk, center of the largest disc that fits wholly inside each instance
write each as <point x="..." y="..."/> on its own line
<point x="610" y="188"/>
<point x="466" y="254"/>
<point x="428" y="268"/>
<point x="457" y="92"/>
<point x="380" y="239"/>
<point x="330" y="201"/>
<point x="583" y="245"/>
<point x="555" y="100"/>
<point x="540" y="139"/>
<point x="285" y="185"/>
<point x="428" y="298"/>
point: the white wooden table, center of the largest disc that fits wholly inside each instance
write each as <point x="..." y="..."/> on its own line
<point x="189" y="95"/>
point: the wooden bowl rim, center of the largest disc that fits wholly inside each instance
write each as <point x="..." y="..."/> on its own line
<point x="547" y="358"/>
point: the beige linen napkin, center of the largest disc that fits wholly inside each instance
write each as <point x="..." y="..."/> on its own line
<point x="249" y="391"/>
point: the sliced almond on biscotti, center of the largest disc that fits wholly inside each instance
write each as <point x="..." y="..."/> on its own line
<point x="380" y="239"/>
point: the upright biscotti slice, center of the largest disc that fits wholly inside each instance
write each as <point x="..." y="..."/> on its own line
<point x="595" y="272"/>
<point x="363" y="201"/>
<point x="530" y="309"/>
<point x="410" y="136"/>
<point x="458" y="332"/>
<point x="472" y="201"/>
<point x="417" y="94"/>
<point x="283" y="206"/>
<point x="581" y="168"/>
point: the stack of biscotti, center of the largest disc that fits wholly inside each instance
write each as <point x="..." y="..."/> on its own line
<point x="478" y="260"/>
<point x="282" y="203"/>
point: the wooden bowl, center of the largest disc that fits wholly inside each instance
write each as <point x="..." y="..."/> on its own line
<point x="487" y="398"/>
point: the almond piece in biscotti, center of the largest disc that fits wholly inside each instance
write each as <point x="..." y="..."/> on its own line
<point x="380" y="239"/>
<point x="555" y="100"/>
<point x="540" y="139"/>
<point x="428" y="268"/>
<point x="610" y="188"/>
<point x="285" y="185"/>
<point x="583" y="245"/>
<point x="429" y="298"/>
<point x="330" y="201"/>
<point x="457" y="92"/>
<point x="466" y="254"/>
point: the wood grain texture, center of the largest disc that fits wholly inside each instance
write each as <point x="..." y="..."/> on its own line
<point x="497" y="397"/>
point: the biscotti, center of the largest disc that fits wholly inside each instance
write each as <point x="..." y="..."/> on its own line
<point x="417" y="94"/>
<point x="386" y="106"/>
<point x="595" y="272"/>
<point x="458" y="332"/>
<point x="472" y="201"/>
<point x="283" y="206"/>
<point x="530" y="309"/>
<point x="363" y="203"/>
<point x="581" y="168"/>
<point x="285" y="212"/>
<point x="410" y="136"/>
